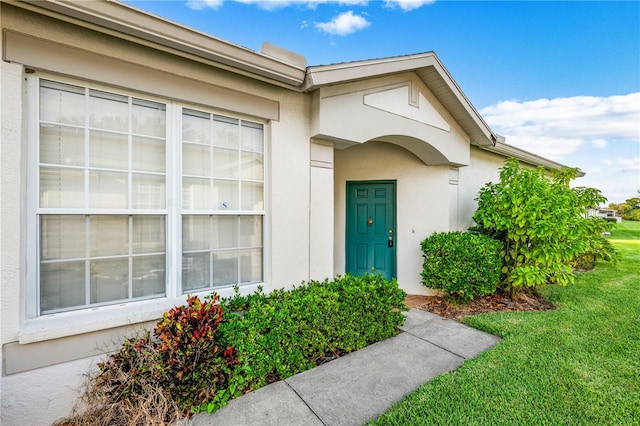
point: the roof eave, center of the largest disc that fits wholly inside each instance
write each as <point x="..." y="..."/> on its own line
<point x="527" y="157"/>
<point x="123" y="20"/>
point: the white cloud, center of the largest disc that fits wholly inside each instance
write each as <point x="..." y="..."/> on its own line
<point x="601" y="135"/>
<point x="344" y="24"/>
<point x="556" y="128"/>
<point x="618" y="178"/>
<point x="600" y="143"/>
<point x="627" y="164"/>
<point x="407" y="5"/>
<point x="204" y="4"/>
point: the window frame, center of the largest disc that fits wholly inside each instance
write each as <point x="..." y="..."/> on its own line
<point x="218" y="210"/>
<point x="133" y="310"/>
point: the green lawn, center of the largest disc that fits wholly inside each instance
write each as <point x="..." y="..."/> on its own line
<point x="627" y="230"/>
<point x="576" y="365"/>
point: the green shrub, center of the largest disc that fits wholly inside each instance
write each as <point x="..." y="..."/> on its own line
<point x="202" y="354"/>
<point x="292" y="331"/>
<point x="462" y="264"/>
<point x="600" y="249"/>
<point x="239" y="302"/>
<point x="540" y="220"/>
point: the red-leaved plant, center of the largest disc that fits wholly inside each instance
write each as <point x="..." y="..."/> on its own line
<point x="194" y="363"/>
<point x="180" y="370"/>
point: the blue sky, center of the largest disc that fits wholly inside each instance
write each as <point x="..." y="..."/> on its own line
<point x="560" y="79"/>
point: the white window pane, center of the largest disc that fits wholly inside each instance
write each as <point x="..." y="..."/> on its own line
<point x="149" y="118"/>
<point x="252" y="196"/>
<point x="196" y="232"/>
<point x="108" y="111"/>
<point x="225" y="194"/>
<point x="225" y="232"/>
<point x="252" y="166"/>
<point x="250" y="231"/>
<point x="252" y="137"/>
<point x="196" y="194"/>
<point x="61" y="187"/>
<point x="148" y="276"/>
<point x="109" y="280"/>
<point x="108" y="190"/>
<point x="250" y="266"/>
<point x="61" y="285"/>
<point x="148" y="155"/>
<point x="225" y="131"/>
<point x="62" y="103"/>
<point x="225" y="268"/>
<point x="61" y="145"/>
<point x="108" y="150"/>
<point x="225" y="163"/>
<point x="196" y="127"/>
<point x="62" y="237"/>
<point x="149" y="234"/>
<point x="109" y="235"/>
<point x="196" y="160"/>
<point x="149" y="191"/>
<point x="195" y="271"/>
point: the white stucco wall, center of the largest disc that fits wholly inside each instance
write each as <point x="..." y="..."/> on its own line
<point x="11" y="189"/>
<point x="422" y="202"/>
<point x="39" y="395"/>
<point x="321" y="211"/>
<point x="289" y="196"/>
<point x="482" y="169"/>
<point x="42" y="396"/>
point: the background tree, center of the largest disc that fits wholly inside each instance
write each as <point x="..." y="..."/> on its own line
<point x="632" y="209"/>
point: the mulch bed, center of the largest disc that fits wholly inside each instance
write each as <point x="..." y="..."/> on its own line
<point x="493" y="303"/>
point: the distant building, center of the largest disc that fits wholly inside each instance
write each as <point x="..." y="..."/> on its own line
<point x="604" y="213"/>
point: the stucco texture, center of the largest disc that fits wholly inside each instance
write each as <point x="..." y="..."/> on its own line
<point x="422" y="205"/>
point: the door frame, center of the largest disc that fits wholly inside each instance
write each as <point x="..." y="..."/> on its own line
<point x="394" y="183"/>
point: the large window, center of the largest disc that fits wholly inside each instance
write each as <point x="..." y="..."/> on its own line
<point x="109" y="194"/>
<point x="222" y="200"/>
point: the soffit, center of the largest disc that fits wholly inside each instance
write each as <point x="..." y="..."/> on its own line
<point x="133" y="24"/>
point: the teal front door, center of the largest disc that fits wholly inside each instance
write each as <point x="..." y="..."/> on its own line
<point x="371" y="228"/>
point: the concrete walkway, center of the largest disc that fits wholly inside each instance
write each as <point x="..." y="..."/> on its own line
<point x="361" y="385"/>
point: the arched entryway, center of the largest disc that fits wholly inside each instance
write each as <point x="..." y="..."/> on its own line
<point x="412" y="200"/>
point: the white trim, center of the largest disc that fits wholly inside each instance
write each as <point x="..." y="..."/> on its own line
<point x="71" y="323"/>
<point x="173" y="273"/>
<point x="33" y="191"/>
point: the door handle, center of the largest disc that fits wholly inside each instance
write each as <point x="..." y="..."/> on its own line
<point x="390" y="242"/>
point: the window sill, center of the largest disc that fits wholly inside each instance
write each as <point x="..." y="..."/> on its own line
<point x="66" y="324"/>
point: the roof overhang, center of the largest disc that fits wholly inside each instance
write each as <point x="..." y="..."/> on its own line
<point x="430" y="70"/>
<point x="527" y="157"/>
<point x="127" y="22"/>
